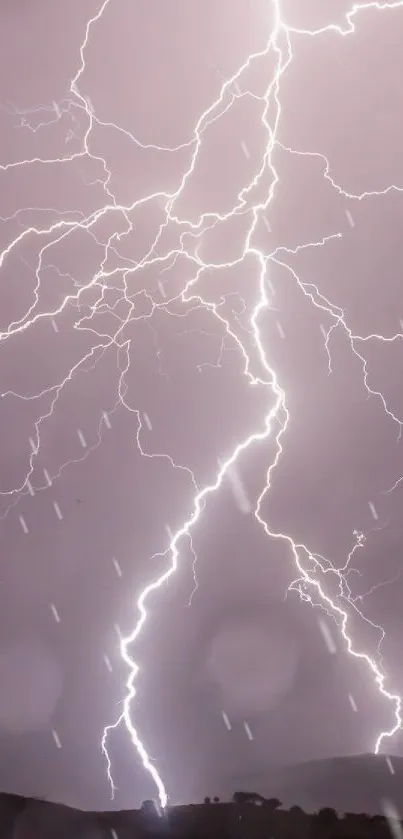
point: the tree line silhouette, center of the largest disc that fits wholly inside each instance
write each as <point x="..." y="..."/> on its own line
<point x="247" y="816"/>
<point x="255" y="817"/>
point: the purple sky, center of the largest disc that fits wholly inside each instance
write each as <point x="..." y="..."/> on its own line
<point x="133" y="393"/>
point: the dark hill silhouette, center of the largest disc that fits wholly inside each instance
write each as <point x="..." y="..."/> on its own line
<point x="327" y="799"/>
<point x="248" y="816"/>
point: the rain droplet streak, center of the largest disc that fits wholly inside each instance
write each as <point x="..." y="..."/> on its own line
<point x="81" y="438"/>
<point x="106" y="419"/>
<point x="390" y="765"/>
<point x="349" y="218"/>
<point x="55" y="613"/>
<point x="248" y="731"/>
<point x="108" y="663"/>
<point x="56" y="738"/>
<point x="241" y="498"/>
<point x="24" y="525"/>
<point x="226" y="720"/>
<point x="352" y="702"/>
<point x="327" y="636"/>
<point x="245" y="150"/>
<point x="57" y="510"/>
<point x="268" y="228"/>
<point x="161" y="289"/>
<point x="117" y="567"/>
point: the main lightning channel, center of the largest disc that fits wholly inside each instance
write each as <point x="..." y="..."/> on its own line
<point x="278" y="414"/>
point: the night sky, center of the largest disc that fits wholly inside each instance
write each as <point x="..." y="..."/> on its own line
<point x="202" y="210"/>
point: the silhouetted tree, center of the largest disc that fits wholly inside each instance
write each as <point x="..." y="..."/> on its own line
<point x="362" y="825"/>
<point x="327" y="817"/>
<point x="216" y="799"/>
<point x="207" y="800"/>
<point x="376" y="821"/>
<point x="272" y="804"/>
<point x="252" y="798"/>
<point x="297" y="811"/>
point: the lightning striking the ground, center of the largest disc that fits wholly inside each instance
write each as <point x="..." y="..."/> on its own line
<point x="318" y="582"/>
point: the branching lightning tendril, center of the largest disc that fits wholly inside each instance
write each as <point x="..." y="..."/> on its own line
<point x="312" y="569"/>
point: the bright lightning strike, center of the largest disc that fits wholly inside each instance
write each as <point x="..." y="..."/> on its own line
<point x="313" y="571"/>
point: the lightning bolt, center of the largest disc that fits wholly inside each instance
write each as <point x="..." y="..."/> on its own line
<point x="315" y="573"/>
